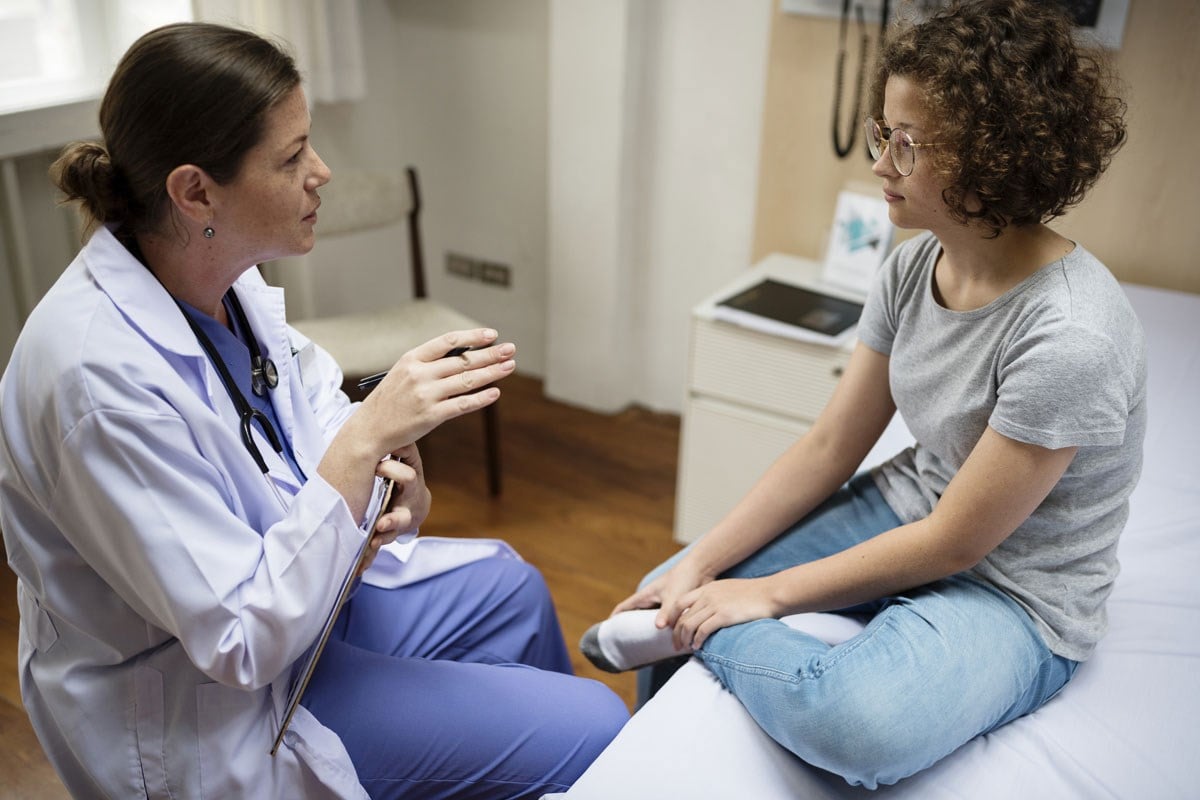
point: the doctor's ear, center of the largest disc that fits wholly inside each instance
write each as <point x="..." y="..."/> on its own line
<point x="189" y="187"/>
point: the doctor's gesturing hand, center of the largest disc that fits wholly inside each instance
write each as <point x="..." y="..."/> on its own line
<point x="422" y="390"/>
<point x="425" y="387"/>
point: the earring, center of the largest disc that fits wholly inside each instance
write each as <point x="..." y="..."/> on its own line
<point x="209" y="232"/>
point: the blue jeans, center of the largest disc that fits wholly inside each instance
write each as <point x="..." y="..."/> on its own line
<point x="460" y="686"/>
<point x="934" y="667"/>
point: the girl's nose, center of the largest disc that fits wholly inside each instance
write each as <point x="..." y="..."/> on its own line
<point x="883" y="165"/>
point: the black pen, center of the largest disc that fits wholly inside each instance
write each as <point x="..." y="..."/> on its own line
<point x="371" y="381"/>
<point x="368" y="383"/>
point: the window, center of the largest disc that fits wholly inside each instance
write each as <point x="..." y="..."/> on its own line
<point x="54" y="52"/>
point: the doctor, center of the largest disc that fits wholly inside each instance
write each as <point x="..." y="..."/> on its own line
<point x="182" y="486"/>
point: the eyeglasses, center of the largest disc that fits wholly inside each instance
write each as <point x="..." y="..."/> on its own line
<point x="903" y="148"/>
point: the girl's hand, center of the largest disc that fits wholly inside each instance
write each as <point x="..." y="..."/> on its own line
<point x="665" y="592"/>
<point x="409" y="505"/>
<point x="719" y="604"/>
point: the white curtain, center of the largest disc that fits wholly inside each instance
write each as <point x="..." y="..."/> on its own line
<point x="325" y="36"/>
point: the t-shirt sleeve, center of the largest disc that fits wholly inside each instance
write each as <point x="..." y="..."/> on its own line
<point x="878" y="323"/>
<point x="1061" y="385"/>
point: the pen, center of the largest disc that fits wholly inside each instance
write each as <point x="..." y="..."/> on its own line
<point x="368" y="383"/>
<point x="371" y="381"/>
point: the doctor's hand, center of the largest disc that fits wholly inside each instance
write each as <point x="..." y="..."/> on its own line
<point x="426" y="387"/>
<point x="409" y="505"/>
<point x="421" y="391"/>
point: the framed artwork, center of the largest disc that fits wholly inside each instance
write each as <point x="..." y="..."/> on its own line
<point x="861" y="238"/>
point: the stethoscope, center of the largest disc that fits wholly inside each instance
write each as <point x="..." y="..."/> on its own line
<point x="263" y="377"/>
<point x="840" y="148"/>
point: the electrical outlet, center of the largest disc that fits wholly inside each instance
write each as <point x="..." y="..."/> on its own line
<point x="477" y="269"/>
<point x="459" y="265"/>
<point x="495" y="274"/>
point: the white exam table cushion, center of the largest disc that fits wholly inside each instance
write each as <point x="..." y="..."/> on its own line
<point x="1125" y="727"/>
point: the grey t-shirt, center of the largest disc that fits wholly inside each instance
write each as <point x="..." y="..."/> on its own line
<point x="1057" y="361"/>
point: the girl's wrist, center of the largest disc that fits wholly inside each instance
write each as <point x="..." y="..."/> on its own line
<point x="699" y="565"/>
<point x="778" y="595"/>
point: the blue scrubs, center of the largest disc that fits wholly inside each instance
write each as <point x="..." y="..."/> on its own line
<point x="457" y="686"/>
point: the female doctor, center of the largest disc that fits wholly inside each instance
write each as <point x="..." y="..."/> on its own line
<point x="183" y="486"/>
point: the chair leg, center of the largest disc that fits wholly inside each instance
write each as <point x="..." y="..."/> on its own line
<point x="491" y="434"/>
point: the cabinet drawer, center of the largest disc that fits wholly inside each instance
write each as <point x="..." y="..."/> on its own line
<point x="762" y="371"/>
<point x="724" y="449"/>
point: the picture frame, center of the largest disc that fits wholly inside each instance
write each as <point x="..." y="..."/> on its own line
<point x="860" y="240"/>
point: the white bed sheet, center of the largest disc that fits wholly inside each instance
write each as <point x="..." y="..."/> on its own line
<point x="1125" y="727"/>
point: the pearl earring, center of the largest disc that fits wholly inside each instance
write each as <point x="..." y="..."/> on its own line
<point x="209" y="232"/>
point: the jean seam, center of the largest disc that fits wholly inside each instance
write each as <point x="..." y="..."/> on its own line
<point x="755" y="669"/>
<point x="845" y="649"/>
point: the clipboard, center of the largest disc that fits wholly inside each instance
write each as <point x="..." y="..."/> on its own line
<point x="785" y="309"/>
<point x="300" y="683"/>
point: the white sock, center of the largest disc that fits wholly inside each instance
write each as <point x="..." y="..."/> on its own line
<point x="629" y="640"/>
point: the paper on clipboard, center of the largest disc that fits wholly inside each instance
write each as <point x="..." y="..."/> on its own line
<point x="300" y="682"/>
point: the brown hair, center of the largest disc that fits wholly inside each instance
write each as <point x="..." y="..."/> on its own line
<point x="188" y="93"/>
<point x="1029" y="117"/>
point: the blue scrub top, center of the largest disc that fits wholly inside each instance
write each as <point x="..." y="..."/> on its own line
<point x="235" y="352"/>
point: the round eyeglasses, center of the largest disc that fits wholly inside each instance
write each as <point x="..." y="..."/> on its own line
<point x="903" y="148"/>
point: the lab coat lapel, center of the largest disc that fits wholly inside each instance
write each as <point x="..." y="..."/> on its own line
<point x="138" y="295"/>
<point x="150" y="309"/>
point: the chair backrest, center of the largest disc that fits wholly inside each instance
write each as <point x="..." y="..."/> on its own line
<point x="416" y="251"/>
<point x="360" y="200"/>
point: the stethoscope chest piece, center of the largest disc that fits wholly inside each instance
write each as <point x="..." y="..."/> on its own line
<point x="263" y="375"/>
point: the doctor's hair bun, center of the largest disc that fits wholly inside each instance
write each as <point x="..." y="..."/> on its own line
<point x="85" y="174"/>
<point x="186" y="93"/>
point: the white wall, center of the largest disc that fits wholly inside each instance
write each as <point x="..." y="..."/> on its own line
<point x="607" y="150"/>
<point x="655" y="119"/>
<point x="707" y="62"/>
<point x="38" y="238"/>
<point x="595" y="207"/>
<point x="456" y="88"/>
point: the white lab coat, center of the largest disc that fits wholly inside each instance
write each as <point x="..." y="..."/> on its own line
<point x="165" y="592"/>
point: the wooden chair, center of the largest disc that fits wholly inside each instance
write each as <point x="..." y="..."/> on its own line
<point x="370" y="342"/>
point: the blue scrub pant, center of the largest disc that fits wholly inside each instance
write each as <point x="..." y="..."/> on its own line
<point x="935" y="666"/>
<point x="460" y="686"/>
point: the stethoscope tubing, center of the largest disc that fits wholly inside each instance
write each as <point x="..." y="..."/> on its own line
<point x="247" y="413"/>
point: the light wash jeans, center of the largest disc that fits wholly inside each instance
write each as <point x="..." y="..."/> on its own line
<point x="934" y="667"/>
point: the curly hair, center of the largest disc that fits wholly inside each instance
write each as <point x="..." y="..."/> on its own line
<point x="1030" y="118"/>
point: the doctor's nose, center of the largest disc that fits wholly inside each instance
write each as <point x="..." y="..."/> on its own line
<point x="320" y="175"/>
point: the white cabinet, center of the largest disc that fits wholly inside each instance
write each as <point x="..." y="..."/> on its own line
<point x="749" y="396"/>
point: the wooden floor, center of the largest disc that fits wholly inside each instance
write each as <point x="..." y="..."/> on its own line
<point x="587" y="498"/>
